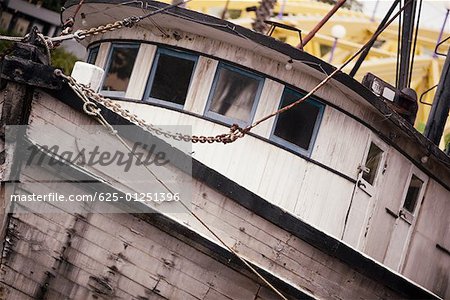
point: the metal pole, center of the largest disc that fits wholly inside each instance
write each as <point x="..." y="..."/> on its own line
<point x="280" y="13"/>
<point x="363" y="55"/>
<point x="313" y="32"/>
<point x="441" y="104"/>
<point x="374" y="11"/>
<point x="405" y="50"/>
<point x="442" y="31"/>
<point x="225" y="9"/>
<point x="333" y="48"/>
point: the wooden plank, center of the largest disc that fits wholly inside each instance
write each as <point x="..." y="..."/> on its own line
<point x="269" y="102"/>
<point x="102" y="55"/>
<point x="82" y="262"/>
<point x="178" y="258"/>
<point x="214" y="295"/>
<point x="139" y="258"/>
<point x="19" y="282"/>
<point x="79" y="270"/>
<point x="201" y="84"/>
<point x="432" y="227"/>
<point x="332" y="147"/>
<point x="141" y="71"/>
<point x="9" y="292"/>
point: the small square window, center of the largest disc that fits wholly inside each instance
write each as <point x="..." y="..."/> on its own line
<point x="372" y="163"/>
<point x="170" y="77"/>
<point x="297" y="127"/>
<point x="412" y="195"/>
<point x="234" y="95"/>
<point x="92" y="57"/>
<point x="120" y="65"/>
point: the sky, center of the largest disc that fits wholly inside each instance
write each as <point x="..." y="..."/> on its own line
<point x="433" y="12"/>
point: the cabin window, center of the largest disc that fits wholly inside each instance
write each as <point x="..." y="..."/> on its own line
<point x="234" y="95"/>
<point x="412" y="195"/>
<point x="92" y="56"/>
<point x="170" y="77"/>
<point x="119" y="67"/>
<point x="297" y="127"/>
<point x="372" y="163"/>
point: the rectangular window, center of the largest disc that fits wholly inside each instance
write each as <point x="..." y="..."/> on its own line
<point x="413" y="194"/>
<point x="119" y="67"/>
<point x="92" y="57"/>
<point x="234" y="95"/>
<point x="372" y="163"/>
<point x="170" y="77"/>
<point x="297" y="127"/>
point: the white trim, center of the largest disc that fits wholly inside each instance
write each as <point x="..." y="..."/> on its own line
<point x="102" y="55"/>
<point x="141" y="71"/>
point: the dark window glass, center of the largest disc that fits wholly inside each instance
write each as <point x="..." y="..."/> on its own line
<point x="171" y="76"/>
<point x="234" y="94"/>
<point x="413" y="194"/>
<point x="92" y="57"/>
<point x="297" y="125"/>
<point x="121" y="63"/>
<point x="372" y="163"/>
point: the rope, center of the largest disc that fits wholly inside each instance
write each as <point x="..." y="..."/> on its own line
<point x="12" y="38"/>
<point x="48" y="45"/>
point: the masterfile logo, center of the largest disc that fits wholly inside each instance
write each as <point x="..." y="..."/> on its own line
<point x="91" y="169"/>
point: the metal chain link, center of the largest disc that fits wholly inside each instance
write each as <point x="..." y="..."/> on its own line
<point x="84" y="33"/>
<point x="127" y="22"/>
<point x="91" y="98"/>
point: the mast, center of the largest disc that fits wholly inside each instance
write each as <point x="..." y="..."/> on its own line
<point x="406" y="42"/>
<point x="364" y="54"/>
<point x="441" y="104"/>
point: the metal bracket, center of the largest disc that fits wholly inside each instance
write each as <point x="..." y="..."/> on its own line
<point x="27" y="72"/>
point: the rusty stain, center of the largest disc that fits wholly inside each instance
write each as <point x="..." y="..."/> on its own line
<point x="168" y="263"/>
<point x="176" y="35"/>
<point x="100" y="285"/>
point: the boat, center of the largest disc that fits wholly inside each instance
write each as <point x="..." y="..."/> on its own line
<point x="193" y="158"/>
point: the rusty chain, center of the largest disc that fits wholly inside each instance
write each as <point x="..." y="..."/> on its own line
<point x="91" y="97"/>
<point x="84" y="33"/>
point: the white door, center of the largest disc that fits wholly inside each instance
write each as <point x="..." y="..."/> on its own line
<point x="404" y="224"/>
<point x="361" y="206"/>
